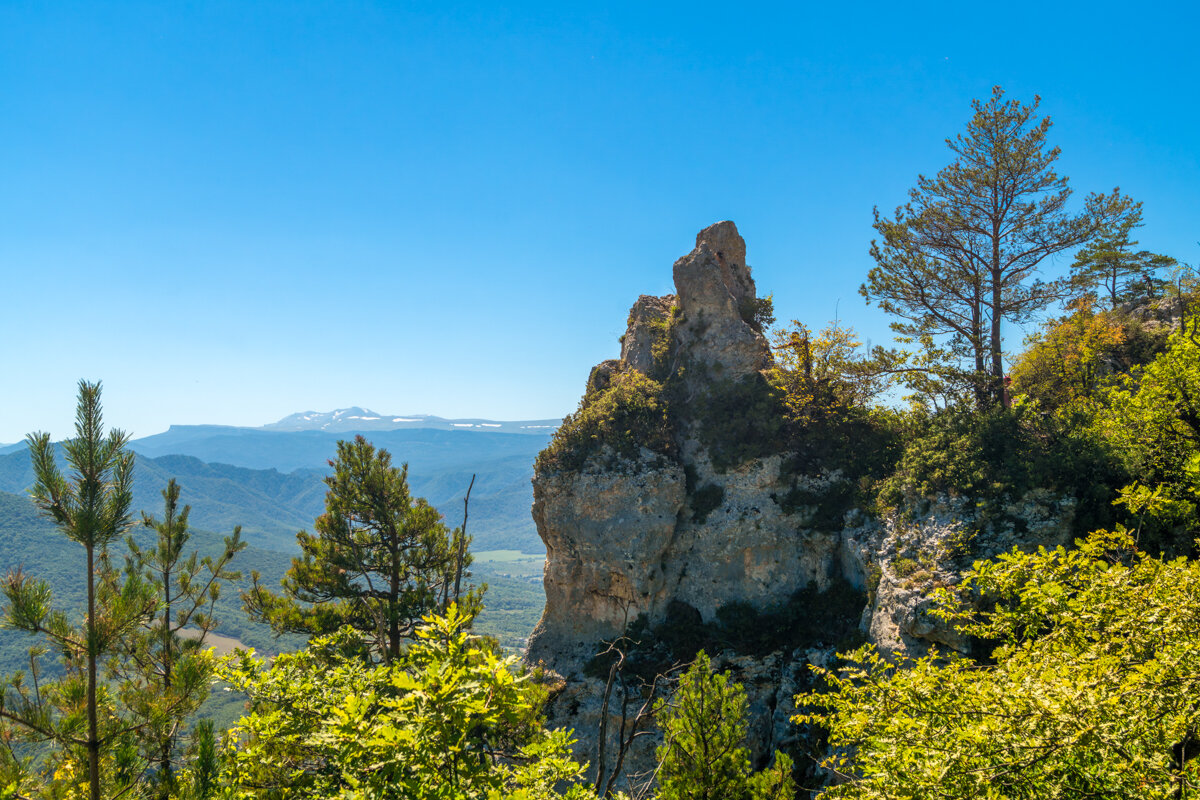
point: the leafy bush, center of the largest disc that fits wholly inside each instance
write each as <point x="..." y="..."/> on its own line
<point x="450" y="718"/>
<point x="662" y="349"/>
<point x="996" y="456"/>
<point x="758" y="312"/>
<point x="1075" y="358"/>
<point x="1153" y="421"/>
<point x="1089" y="692"/>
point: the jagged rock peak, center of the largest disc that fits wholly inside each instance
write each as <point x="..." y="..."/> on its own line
<point x="717" y="298"/>
<point x="723" y="239"/>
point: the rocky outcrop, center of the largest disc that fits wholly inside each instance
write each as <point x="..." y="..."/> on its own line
<point x="607" y="534"/>
<point x="717" y="297"/>
<point x="648" y="318"/>
<point x="906" y="560"/>
<point x="687" y="534"/>
<point x="628" y="538"/>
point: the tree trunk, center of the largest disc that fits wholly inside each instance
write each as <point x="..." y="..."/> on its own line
<point x="93" y="741"/>
<point x="165" y="755"/>
<point x="997" y="372"/>
<point x="394" y="604"/>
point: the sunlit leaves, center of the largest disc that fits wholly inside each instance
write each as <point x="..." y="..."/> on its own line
<point x="1089" y="689"/>
<point x="448" y="718"/>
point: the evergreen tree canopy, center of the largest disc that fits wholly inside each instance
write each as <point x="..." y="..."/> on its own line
<point x="1111" y="263"/>
<point x="166" y="664"/>
<point x="961" y="258"/>
<point x="91" y="722"/>
<point x="379" y="561"/>
<point x="704" y="754"/>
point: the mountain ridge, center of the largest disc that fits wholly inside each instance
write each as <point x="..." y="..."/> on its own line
<point x="271" y="482"/>
<point x="357" y="419"/>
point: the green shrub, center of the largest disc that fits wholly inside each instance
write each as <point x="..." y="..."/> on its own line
<point x="739" y="420"/>
<point x="758" y="312"/>
<point x="662" y="349"/>
<point x="995" y="457"/>
<point x="619" y="420"/>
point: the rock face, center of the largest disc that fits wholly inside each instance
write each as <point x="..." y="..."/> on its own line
<point x="631" y="539"/>
<point x="639" y="535"/>
<point x="717" y="295"/>
<point x="607" y="537"/>
<point x="648" y="314"/>
<point x="686" y="530"/>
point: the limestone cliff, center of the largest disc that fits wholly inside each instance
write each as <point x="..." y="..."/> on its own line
<point x="629" y="537"/>
<point x="681" y="515"/>
<point x="671" y="499"/>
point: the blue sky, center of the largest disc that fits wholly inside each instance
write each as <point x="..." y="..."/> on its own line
<point x="231" y="211"/>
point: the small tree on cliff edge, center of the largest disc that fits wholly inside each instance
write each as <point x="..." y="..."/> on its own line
<point x="704" y="754"/>
<point x="379" y="561"/>
<point x="961" y="257"/>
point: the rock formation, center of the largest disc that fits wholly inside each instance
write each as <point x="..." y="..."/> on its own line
<point x="684" y="528"/>
<point x="629" y="541"/>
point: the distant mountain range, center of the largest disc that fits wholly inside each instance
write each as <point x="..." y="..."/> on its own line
<point x="269" y="479"/>
<point x="344" y="420"/>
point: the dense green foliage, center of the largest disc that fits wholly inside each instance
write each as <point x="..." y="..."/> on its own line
<point x="448" y="718"/>
<point x="615" y="421"/>
<point x="1089" y="691"/>
<point x="1075" y="359"/>
<point x="1153" y="419"/>
<point x="739" y="420"/>
<point x="996" y="456"/>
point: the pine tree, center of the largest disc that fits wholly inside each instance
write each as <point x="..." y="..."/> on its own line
<point x="960" y="260"/>
<point x="704" y="754"/>
<point x="171" y="667"/>
<point x="1110" y="262"/>
<point x="80" y="711"/>
<point x="379" y="561"/>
